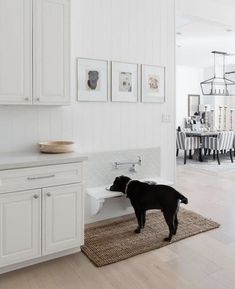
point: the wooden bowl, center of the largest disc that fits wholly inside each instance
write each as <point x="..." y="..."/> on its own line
<point x="56" y="147"/>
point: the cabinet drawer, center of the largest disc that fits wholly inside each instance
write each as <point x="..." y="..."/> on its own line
<point x="38" y="177"/>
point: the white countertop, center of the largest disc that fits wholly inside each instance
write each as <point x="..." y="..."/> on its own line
<point x="34" y="159"/>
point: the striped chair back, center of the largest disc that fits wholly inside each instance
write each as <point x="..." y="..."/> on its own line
<point x="186" y="143"/>
<point x="225" y="140"/>
<point x="180" y="140"/>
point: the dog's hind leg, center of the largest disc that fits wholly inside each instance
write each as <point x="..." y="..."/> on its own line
<point x="171" y="225"/>
<point x="176" y="222"/>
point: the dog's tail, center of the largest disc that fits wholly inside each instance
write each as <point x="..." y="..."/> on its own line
<point x="182" y="198"/>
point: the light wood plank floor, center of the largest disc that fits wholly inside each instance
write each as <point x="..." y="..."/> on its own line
<point x="202" y="262"/>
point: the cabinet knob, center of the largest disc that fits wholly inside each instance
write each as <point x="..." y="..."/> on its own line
<point x="49" y="194"/>
<point x="26" y="99"/>
<point x="36" y="196"/>
<point x="37" y="99"/>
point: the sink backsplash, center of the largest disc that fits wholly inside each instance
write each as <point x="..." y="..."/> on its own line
<point x="100" y="168"/>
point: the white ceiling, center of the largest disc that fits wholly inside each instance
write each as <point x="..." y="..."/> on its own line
<point x="200" y="36"/>
<point x="227" y="2"/>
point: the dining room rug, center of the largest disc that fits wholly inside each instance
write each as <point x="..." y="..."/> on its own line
<point x="116" y="240"/>
<point x="209" y="165"/>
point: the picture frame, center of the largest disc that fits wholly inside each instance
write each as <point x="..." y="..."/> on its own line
<point x="92" y="80"/>
<point x="124" y="81"/>
<point x="193" y="104"/>
<point x="153" y="83"/>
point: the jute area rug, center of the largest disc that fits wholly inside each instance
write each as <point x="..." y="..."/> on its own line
<point x="116" y="241"/>
<point x="208" y="164"/>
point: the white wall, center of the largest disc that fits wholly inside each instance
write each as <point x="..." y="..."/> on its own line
<point x="125" y="30"/>
<point x="187" y="82"/>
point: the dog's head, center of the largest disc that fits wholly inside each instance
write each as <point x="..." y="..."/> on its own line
<point x="119" y="184"/>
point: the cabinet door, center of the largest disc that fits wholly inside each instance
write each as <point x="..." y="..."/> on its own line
<point x="62" y="218"/>
<point x="15" y="51"/>
<point x="51" y="52"/>
<point x="20" y="227"/>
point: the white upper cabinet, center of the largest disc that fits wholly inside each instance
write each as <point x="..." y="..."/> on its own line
<point x="35" y="52"/>
<point x="51" y="52"/>
<point x="15" y="51"/>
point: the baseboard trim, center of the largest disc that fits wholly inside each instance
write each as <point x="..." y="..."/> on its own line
<point x="38" y="260"/>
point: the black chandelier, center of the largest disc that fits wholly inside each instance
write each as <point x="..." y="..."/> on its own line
<point x="219" y="85"/>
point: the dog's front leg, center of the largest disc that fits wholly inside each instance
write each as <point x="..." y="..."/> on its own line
<point x="143" y="217"/>
<point x="139" y="220"/>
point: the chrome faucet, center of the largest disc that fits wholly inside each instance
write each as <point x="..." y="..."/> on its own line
<point x="132" y="169"/>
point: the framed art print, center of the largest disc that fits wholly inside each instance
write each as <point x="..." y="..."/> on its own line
<point x="124" y="82"/>
<point x="153" y="83"/>
<point x="92" y="79"/>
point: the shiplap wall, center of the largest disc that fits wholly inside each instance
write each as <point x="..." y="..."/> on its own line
<point x="124" y="30"/>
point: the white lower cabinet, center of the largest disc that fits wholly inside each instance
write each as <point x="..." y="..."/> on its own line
<point x="20" y="227"/>
<point x="62" y="218"/>
<point x="43" y="221"/>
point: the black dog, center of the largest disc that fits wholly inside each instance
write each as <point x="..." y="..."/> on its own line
<point x="147" y="196"/>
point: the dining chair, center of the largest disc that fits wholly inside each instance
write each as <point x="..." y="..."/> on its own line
<point x="234" y="144"/>
<point x="186" y="129"/>
<point x="222" y="143"/>
<point x="186" y="143"/>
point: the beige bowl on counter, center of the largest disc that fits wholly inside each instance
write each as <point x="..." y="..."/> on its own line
<point x="56" y="147"/>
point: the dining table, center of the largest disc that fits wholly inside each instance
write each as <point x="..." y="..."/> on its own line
<point x="201" y="134"/>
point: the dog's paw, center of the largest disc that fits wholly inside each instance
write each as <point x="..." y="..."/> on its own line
<point x="137" y="230"/>
<point x="167" y="239"/>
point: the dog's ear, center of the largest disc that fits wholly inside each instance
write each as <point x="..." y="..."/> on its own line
<point x="123" y="183"/>
<point x="125" y="179"/>
<point x="120" y="183"/>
